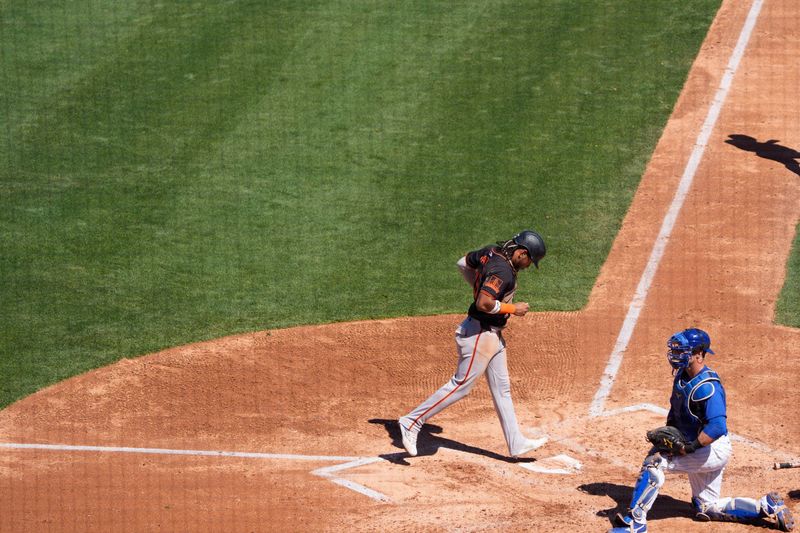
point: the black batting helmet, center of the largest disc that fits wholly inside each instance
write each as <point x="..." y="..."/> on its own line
<point x="533" y="242"/>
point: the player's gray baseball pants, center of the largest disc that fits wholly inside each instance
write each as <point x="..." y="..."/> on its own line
<point x="479" y="351"/>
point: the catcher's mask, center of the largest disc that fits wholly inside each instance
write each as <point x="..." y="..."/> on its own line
<point x="683" y="344"/>
<point x="533" y="242"/>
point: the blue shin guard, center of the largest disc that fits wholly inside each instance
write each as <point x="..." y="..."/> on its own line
<point x="743" y="510"/>
<point x="747" y="510"/>
<point x="651" y="478"/>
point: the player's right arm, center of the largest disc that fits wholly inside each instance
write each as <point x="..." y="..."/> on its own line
<point x="470" y="274"/>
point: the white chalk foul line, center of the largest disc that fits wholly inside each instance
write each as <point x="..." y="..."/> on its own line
<point x="635" y="307"/>
<point x="327" y="472"/>
<point x="165" y="451"/>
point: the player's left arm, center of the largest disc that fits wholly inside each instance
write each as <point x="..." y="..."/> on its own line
<point x="489" y="303"/>
<point x="490" y="295"/>
<point x="714" y="429"/>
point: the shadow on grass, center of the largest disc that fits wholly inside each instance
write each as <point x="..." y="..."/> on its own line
<point x="767" y="150"/>
<point x="428" y="443"/>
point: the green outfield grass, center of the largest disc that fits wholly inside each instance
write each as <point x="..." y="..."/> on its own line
<point x="788" y="307"/>
<point x="176" y="171"/>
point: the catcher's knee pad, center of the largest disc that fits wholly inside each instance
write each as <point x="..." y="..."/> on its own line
<point x="650" y="480"/>
<point x="654" y="460"/>
<point x="744" y="510"/>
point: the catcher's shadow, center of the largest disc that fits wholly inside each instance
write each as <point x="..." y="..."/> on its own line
<point x="664" y="506"/>
<point x="428" y="443"/>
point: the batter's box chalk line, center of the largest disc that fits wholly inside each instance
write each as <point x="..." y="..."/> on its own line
<point x="328" y="473"/>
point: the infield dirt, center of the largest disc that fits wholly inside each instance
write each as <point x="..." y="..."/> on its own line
<point x="336" y="390"/>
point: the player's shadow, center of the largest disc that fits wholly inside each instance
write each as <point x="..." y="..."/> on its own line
<point x="428" y="443"/>
<point x="767" y="150"/>
<point x="664" y="506"/>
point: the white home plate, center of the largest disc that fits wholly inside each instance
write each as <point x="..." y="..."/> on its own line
<point x="558" y="464"/>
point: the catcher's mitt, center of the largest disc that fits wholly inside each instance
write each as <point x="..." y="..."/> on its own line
<point x="667" y="439"/>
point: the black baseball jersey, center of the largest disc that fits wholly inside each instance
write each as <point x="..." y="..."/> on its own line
<point x="496" y="277"/>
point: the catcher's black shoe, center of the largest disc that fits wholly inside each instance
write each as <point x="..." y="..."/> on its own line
<point x="619" y="520"/>
<point x="626" y="524"/>
<point x="774" y="507"/>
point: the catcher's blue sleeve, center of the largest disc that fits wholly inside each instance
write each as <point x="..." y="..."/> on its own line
<point x="716" y="427"/>
<point x="716" y="415"/>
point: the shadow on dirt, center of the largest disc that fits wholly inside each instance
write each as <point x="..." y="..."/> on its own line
<point x="664" y="506"/>
<point x="428" y="443"/>
<point x="767" y="150"/>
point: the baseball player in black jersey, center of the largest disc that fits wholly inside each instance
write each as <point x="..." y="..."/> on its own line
<point x="492" y="273"/>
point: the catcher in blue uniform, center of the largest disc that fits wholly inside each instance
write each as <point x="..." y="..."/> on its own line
<point x="695" y="441"/>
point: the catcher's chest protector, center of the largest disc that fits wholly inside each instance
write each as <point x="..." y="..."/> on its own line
<point x="699" y="388"/>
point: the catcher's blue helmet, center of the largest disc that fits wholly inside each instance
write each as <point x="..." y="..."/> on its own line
<point x="683" y="344"/>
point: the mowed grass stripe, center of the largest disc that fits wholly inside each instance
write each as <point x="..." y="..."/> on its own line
<point x="192" y="171"/>
<point x="788" y="306"/>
